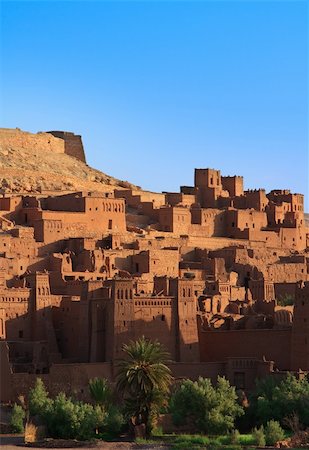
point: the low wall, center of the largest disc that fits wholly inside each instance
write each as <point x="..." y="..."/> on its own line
<point x="272" y="345"/>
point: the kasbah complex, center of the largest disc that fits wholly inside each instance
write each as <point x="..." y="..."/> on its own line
<point x="217" y="274"/>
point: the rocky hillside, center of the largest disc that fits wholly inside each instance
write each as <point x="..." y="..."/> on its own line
<point x="24" y="169"/>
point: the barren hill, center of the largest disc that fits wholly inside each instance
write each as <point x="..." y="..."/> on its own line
<point x="41" y="162"/>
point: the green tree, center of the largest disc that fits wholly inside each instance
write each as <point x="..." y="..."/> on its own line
<point x="63" y="417"/>
<point x="212" y="409"/>
<point x="38" y="398"/>
<point x="143" y="379"/>
<point x="278" y="400"/>
<point x="67" y="419"/>
<point x="17" y="419"/>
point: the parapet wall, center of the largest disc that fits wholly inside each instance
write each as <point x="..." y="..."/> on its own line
<point x="52" y="141"/>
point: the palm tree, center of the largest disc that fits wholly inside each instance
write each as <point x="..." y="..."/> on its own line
<point x="144" y="379"/>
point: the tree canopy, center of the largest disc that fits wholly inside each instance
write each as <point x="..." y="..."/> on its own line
<point x="213" y="409"/>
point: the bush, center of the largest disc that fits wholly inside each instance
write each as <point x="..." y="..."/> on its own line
<point x="259" y="436"/>
<point x="100" y="391"/>
<point x="273" y="432"/>
<point x="38" y="398"/>
<point x="63" y="417"/>
<point x="66" y="419"/>
<point x="17" y="419"/>
<point x="211" y="409"/>
<point x="275" y="400"/>
<point x="114" y="421"/>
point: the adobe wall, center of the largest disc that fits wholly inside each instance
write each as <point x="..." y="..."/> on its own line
<point x="274" y="345"/>
<point x="197" y="369"/>
<point x="101" y="217"/>
<point x="73" y="145"/>
<point x="67" y="378"/>
<point x="156" y="318"/>
<point x="234" y="185"/>
<point x="157" y="262"/>
<point x="300" y="328"/>
<point x="75" y="378"/>
<point x="15" y="324"/>
<point x="18" y="139"/>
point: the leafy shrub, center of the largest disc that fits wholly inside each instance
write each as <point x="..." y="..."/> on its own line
<point x="17" y="419"/>
<point x="212" y="409"/>
<point x="100" y="391"/>
<point x="38" y="398"/>
<point x="66" y="419"/>
<point x="273" y="432"/>
<point x="275" y="400"/>
<point x="63" y="417"/>
<point x="259" y="436"/>
<point x="114" y="421"/>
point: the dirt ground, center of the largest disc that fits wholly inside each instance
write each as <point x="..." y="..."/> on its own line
<point x="16" y="442"/>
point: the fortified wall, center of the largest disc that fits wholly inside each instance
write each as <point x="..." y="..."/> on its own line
<point x="73" y="145"/>
<point x="52" y="141"/>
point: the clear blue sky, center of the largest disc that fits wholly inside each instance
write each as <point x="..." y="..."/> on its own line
<point x="158" y="88"/>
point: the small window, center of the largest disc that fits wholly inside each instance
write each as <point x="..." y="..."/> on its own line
<point x="21" y="334"/>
